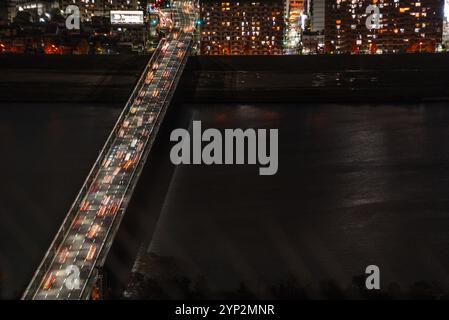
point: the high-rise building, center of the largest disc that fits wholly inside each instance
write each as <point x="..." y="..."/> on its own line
<point x="294" y="14"/>
<point x="403" y="26"/>
<point x="446" y="24"/>
<point x="312" y="39"/>
<point x="242" y="27"/>
<point x="316" y="10"/>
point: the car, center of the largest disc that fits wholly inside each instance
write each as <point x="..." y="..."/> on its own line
<point x="116" y="171"/>
<point x="63" y="255"/>
<point x="106" y="199"/>
<point x="101" y="211"/>
<point x="127" y="164"/>
<point x="133" y="110"/>
<point x="94" y="188"/>
<point x="49" y="281"/>
<point x="113" y="208"/>
<point x="93" y="231"/>
<point x="134" y="142"/>
<point x="91" y="253"/>
<point x="106" y="163"/>
<point x="77" y="223"/>
<point x="84" y="205"/>
<point x="107" y="179"/>
<point x="149" y="78"/>
<point x="140" y="146"/>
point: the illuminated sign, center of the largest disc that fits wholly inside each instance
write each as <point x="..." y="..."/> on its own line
<point x="126" y="17"/>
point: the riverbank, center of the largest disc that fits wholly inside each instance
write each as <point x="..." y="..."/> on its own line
<point x="243" y="79"/>
<point x="330" y="78"/>
<point x="71" y="79"/>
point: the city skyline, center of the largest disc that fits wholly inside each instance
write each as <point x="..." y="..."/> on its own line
<point x="300" y="26"/>
<point x="403" y="26"/>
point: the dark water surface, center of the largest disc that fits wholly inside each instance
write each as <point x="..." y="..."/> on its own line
<point x="47" y="151"/>
<point x="357" y="185"/>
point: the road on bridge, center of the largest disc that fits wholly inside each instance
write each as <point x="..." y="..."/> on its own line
<point x="106" y="197"/>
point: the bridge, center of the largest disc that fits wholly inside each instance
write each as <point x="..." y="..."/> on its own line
<point x="71" y="267"/>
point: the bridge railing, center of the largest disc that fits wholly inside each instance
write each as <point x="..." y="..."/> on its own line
<point x="49" y="257"/>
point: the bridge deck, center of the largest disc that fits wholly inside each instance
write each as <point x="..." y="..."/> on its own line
<point x="87" y="232"/>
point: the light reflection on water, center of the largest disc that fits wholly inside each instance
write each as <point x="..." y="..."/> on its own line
<point x="357" y="185"/>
